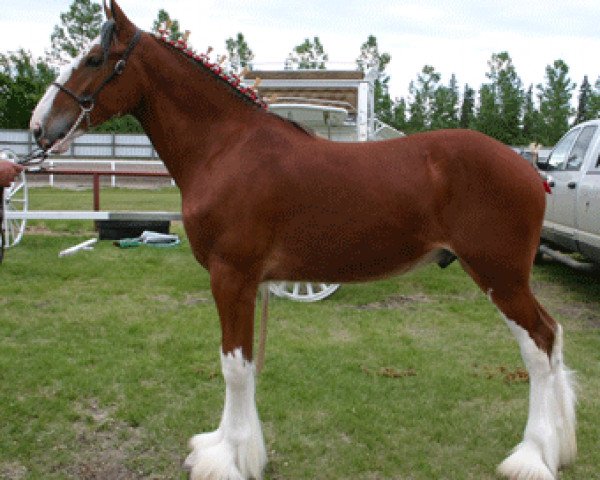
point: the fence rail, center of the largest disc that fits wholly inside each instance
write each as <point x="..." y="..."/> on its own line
<point x="91" y="145"/>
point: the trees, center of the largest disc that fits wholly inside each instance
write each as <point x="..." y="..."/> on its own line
<point x="531" y="118"/>
<point x="487" y="119"/>
<point x="164" y="19"/>
<point x="79" y="26"/>
<point x="594" y="104"/>
<point x="399" y="115"/>
<point x="444" y="109"/>
<point x="371" y="58"/>
<point x="588" y="101"/>
<point x="240" y="54"/>
<point x="421" y="95"/>
<point x="501" y="108"/>
<point x="501" y="101"/>
<point x="555" y="97"/>
<point x="467" y="109"/>
<point x="310" y="54"/>
<point x="432" y="105"/>
<point x="23" y="81"/>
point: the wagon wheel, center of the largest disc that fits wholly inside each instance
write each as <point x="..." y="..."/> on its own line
<point x="15" y="200"/>
<point x="303" y="292"/>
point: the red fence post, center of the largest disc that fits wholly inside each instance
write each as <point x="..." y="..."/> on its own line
<point x="96" y="192"/>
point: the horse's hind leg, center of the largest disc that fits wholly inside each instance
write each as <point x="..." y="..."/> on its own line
<point x="549" y="439"/>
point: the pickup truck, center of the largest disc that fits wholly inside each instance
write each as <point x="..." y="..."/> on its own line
<point x="572" y="219"/>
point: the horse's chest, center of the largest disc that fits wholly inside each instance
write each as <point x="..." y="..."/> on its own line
<point x="220" y="231"/>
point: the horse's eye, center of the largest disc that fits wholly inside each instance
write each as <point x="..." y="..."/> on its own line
<point x="93" y="62"/>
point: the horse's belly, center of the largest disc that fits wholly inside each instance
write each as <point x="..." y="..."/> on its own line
<point x="342" y="258"/>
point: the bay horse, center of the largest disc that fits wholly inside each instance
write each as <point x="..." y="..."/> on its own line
<point x="263" y="199"/>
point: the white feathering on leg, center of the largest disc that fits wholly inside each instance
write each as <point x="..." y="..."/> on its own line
<point x="236" y="450"/>
<point x="549" y="439"/>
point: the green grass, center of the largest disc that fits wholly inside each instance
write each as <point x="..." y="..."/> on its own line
<point x="109" y="362"/>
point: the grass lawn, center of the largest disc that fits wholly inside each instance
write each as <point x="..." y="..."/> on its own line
<point x="109" y="362"/>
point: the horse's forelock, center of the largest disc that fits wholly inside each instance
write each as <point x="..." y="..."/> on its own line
<point x="106" y="35"/>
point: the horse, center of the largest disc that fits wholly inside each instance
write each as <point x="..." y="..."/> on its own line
<point x="263" y="200"/>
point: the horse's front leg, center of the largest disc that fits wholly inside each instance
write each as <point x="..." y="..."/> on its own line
<point x="236" y="449"/>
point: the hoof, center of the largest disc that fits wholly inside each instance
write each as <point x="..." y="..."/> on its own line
<point x="525" y="463"/>
<point x="214" y="457"/>
<point x="213" y="463"/>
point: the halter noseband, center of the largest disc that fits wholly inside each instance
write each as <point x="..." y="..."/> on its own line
<point x="87" y="102"/>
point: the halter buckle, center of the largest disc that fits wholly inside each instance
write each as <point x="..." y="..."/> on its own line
<point x="86" y="104"/>
<point x="120" y="66"/>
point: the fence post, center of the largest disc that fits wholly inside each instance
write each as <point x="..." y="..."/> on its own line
<point x="96" y="178"/>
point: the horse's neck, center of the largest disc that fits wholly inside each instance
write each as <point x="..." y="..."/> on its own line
<point x="187" y="112"/>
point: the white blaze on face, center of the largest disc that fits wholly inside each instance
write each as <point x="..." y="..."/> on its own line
<point x="45" y="105"/>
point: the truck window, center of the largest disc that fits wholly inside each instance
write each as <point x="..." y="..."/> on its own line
<point x="577" y="155"/>
<point x="558" y="157"/>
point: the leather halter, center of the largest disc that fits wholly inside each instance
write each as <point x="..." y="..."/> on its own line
<point x="87" y="102"/>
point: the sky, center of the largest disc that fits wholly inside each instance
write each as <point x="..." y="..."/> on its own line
<point x="454" y="36"/>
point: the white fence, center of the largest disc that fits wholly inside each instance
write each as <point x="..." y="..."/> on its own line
<point x="91" y="145"/>
<point x="94" y="152"/>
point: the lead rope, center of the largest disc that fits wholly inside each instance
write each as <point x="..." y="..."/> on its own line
<point x="85" y="114"/>
<point x="262" y="336"/>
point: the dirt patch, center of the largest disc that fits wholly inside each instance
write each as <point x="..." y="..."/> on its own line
<point x="189" y="300"/>
<point x="556" y="299"/>
<point x="44" y="230"/>
<point x="104" y="445"/>
<point x="507" y="374"/>
<point x="12" y="471"/>
<point x="396" y="301"/>
<point x="196" y="298"/>
<point x="390" y="372"/>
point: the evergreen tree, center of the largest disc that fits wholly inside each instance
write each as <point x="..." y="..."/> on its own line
<point x="444" y="111"/>
<point x="383" y="105"/>
<point x="23" y="81"/>
<point x="502" y="101"/>
<point x="79" y="26"/>
<point x="416" y="111"/>
<point x="555" y="102"/>
<point x="531" y="119"/>
<point x="240" y="54"/>
<point x="165" y="20"/>
<point x="467" y="109"/>
<point x="488" y="114"/>
<point x="399" y="115"/>
<point x="371" y="58"/>
<point x="594" y="104"/>
<point x="309" y="55"/>
<point x="422" y="96"/>
<point x="583" y="102"/>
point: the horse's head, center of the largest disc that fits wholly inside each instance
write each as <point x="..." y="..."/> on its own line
<point x="96" y="86"/>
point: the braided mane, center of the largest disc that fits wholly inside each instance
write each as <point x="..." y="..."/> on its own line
<point x="234" y="81"/>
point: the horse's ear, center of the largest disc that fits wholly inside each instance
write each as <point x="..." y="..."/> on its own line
<point x="125" y="29"/>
